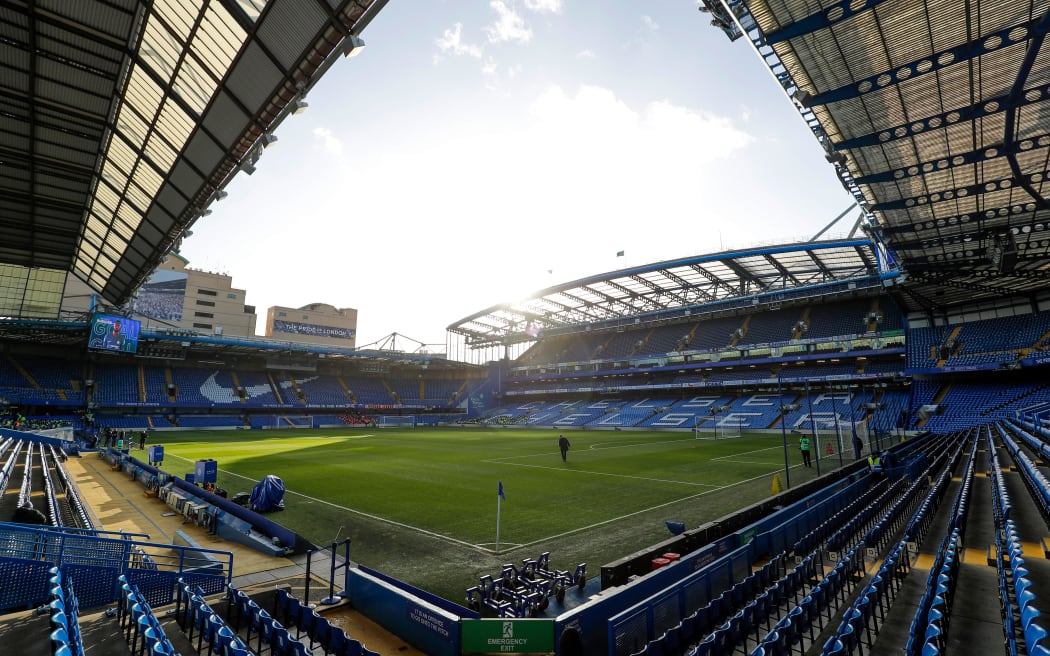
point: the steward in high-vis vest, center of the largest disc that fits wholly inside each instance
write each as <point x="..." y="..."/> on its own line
<point x="803" y="446"/>
<point x="875" y="463"/>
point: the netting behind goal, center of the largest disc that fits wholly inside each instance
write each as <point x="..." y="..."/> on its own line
<point x="402" y="421"/>
<point x="293" y="421"/>
<point x="713" y="428"/>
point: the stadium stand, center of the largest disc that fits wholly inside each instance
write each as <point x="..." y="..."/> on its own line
<point x="795" y="337"/>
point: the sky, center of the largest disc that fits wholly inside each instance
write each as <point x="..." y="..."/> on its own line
<point x="478" y="151"/>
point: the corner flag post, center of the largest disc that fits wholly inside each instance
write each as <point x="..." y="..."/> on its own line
<point x="500" y="496"/>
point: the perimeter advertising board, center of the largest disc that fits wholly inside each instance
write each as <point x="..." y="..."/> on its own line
<point x="507" y="636"/>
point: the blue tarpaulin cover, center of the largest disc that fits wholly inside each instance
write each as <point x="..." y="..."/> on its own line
<point x="267" y="495"/>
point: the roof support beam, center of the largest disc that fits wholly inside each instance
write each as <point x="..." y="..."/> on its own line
<point x="659" y="291"/>
<point x="1009" y="129"/>
<point x="745" y="276"/>
<point x="987" y="186"/>
<point x="935" y="62"/>
<point x="718" y="282"/>
<point x="985" y="154"/>
<point x="783" y="272"/>
<point x="990" y="107"/>
<point x="987" y="214"/>
<point x="816" y="22"/>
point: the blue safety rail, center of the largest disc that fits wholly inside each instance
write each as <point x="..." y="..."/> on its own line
<point x="26" y="554"/>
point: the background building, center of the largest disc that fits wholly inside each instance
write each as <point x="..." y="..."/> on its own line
<point x="316" y="323"/>
<point x="177" y="296"/>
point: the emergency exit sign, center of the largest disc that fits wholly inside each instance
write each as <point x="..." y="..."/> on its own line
<point x="507" y="636"/>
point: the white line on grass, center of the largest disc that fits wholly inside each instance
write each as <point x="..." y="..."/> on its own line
<point x="358" y="512"/>
<point x="744" y="453"/>
<point x="597" y="473"/>
<point x="600" y="446"/>
<point x="749" y="462"/>
<point x="645" y="510"/>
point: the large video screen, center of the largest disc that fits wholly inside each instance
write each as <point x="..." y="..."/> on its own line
<point x="162" y="296"/>
<point x="109" y="333"/>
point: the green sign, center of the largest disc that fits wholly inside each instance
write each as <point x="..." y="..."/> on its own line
<point x="507" y="636"/>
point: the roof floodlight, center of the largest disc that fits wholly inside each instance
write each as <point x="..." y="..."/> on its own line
<point x="300" y="106"/>
<point x="268" y="139"/>
<point x="221" y="194"/>
<point x="187" y="234"/>
<point x="205" y="212"/>
<point x="354" y="46"/>
<point x="802" y="97"/>
<point x="248" y="167"/>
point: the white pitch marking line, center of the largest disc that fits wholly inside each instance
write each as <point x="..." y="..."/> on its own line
<point x="599" y="446"/>
<point x="645" y="510"/>
<point x="358" y="512"/>
<point x="597" y="473"/>
<point x="744" y="453"/>
<point x="748" y="462"/>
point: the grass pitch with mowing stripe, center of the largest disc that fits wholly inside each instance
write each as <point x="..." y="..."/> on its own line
<point x="420" y="504"/>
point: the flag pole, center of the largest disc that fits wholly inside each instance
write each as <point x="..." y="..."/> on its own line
<point x="499" y="503"/>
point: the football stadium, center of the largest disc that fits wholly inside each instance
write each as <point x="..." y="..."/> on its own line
<point x="833" y="445"/>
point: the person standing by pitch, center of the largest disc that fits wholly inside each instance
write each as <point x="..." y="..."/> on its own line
<point x="563" y="446"/>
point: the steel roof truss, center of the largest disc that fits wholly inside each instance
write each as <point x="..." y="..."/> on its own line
<point x="837" y="12"/>
<point x="963" y="53"/>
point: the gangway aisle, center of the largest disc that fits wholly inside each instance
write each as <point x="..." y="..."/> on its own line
<point x="975" y="625"/>
<point x="1031" y="526"/>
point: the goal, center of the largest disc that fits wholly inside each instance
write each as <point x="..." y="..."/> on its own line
<point x="715" y="428"/>
<point x="398" y="421"/>
<point x="293" y="421"/>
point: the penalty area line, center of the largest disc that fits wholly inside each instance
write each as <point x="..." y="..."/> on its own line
<point x="598" y="473"/>
<point x="417" y="529"/>
<point x="744" y="453"/>
<point x="650" y="509"/>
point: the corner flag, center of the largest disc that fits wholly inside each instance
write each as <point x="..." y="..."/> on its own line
<point x="500" y="498"/>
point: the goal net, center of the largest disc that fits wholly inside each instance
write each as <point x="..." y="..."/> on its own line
<point x="293" y="421"/>
<point x="402" y="421"/>
<point x="717" y="428"/>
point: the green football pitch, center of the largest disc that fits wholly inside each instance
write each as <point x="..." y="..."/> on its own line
<point x="421" y="504"/>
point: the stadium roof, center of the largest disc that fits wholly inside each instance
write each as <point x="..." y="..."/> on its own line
<point x="122" y="120"/>
<point x="936" y="116"/>
<point x="673" y="289"/>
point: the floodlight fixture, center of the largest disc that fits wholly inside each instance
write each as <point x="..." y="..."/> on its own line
<point x="354" y="46"/>
<point x="221" y="194"/>
<point x="300" y="106"/>
<point x="268" y="139"/>
<point x="802" y="97"/>
<point x="836" y="158"/>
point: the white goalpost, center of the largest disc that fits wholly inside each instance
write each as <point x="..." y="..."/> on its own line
<point x="713" y="427"/>
<point x="397" y="421"/>
<point x="293" y="421"/>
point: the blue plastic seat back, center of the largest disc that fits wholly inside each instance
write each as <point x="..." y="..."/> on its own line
<point x="1033" y="635"/>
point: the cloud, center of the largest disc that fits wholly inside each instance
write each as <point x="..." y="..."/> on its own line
<point x="451" y="42"/>
<point x="650" y="23"/>
<point x="544" y="6"/>
<point x="508" y="26"/>
<point x="586" y="53"/>
<point x="331" y="143"/>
